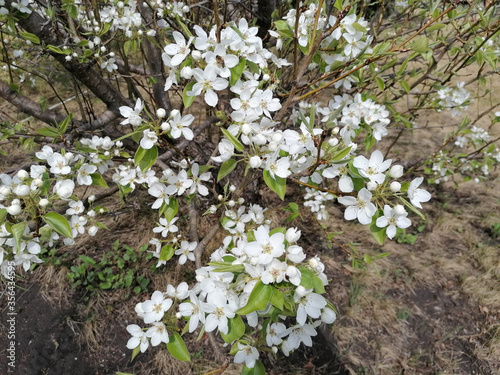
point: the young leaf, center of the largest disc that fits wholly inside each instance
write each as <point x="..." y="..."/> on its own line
<point x="3" y="215"/>
<point x="186" y="99"/>
<point x="31" y="37"/>
<point x="47" y="131"/>
<point x="277" y="299"/>
<point x="236" y="72"/>
<point x="258" y="369"/>
<point x="166" y="253"/>
<point x="145" y="158"/>
<point x="236" y="329"/>
<point x="177" y="347"/>
<point x="226" y="168"/>
<point x="18" y="231"/>
<point x="277" y="184"/>
<point x="171" y="209"/>
<point x="58" y="223"/>
<point x="236" y="143"/>
<point x="97" y="180"/>
<point x="258" y="300"/>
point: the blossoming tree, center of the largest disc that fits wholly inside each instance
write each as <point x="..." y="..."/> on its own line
<point x="192" y="103"/>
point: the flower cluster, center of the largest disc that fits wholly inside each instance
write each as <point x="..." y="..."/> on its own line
<point x="29" y="201"/>
<point x="260" y="276"/>
<point x="457" y="99"/>
<point x="477" y="156"/>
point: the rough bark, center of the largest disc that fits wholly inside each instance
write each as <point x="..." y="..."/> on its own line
<point x="50" y="32"/>
<point x="264" y="11"/>
<point x="30" y="107"/>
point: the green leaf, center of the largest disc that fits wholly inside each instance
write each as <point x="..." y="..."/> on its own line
<point x="378" y="233"/>
<point x="58" y="223"/>
<point x="277" y="298"/>
<point x="341" y="154"/>
<point x="236" y="71"/>
<point x="307" y="278"/>
<point x="47" y="131"/>
<point x="3" y="215"/>
<point x="236" y="143"/>
<point x="55" y="49"/>
<point x="63" y="125"/>
<point x="410" y="206"/>
<point x="277" y="184"/>
<point x="135" y="352"/>
<point x="145" y="158"/>
<point x="258" y="300"/>
<point x="405" y="86"/>
<point x="186" y="99"/>
<point x="235" y="331"/>
<point x="421" y="45"/>
<point x="380" y="83"/>
<point x="171" y="209"/>
<point x="318" y="285"/>
<point x="166" y="253"/>
<point x="436" y="26"/>
<point x="226" y="168"/>
<point x="17" y="232"/>
<point x="105" y="285"/>
<point x="227" y="267"/>
<point x="177" y="348"/>
<point x="31" y="37"/>
<point x="258" y="369"/>
<point x="97" y="180"/>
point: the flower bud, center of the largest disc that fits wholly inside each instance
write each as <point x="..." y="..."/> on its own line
<point x="22" y="175"/>
<point x="196" y="55"/>
<point x="328" y="316"/>
<point x="220" y="197"/>
<point x="241" y="200"/>
<point x="255" y="161"/>
<point x="277" y="137"/>
<point x="232" y="188"/>
<point x="371" y="185"/>
<point x="187" y="72"/>
<point x="300" y="291"/>
<point x="274" y="349"/>
<point x="4" y="190"/>
<point x="14" y="209"/>
<point x="333" y="142"/>
<point x="246" y="129"/>
<point x="16" y="202"/>
<point x="395" y="186"/>
<point x="231" y="203"/>
<point x="92" y="231"/>
<point x="396" y="171"/>
<point x="161" y="113"/>
<point x="292" y="235"/>
<point x="313" y="262"/>
<point x="165" y="126"/>
<point x="272" y="146"/>
<point x="43" y="202"/>
<point x="91" y="198"/>
<point x="21" y="190"/>
<point x="38" y="182"/>
<point x="399" y="209"/>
